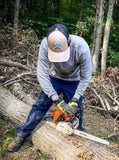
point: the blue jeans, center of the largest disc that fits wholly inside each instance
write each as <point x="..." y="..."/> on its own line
<point x="43" y="103"/>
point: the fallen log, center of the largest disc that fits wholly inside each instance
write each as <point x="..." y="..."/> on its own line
<point x="17" y="90"/>
<point x="7" y="62"/>
<point x="13" y="108"/>
<point x="48" y="139"/>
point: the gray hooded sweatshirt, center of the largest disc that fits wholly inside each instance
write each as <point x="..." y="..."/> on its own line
<point x="77" y="68"/>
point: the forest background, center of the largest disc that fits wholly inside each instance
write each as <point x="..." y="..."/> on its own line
<point x="23" y="24"/>
<point x="94" y="20"/>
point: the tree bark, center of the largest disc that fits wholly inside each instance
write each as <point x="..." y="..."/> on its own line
<point x="48" y="139"/>
<point x="16" y="13"/>
<point x="26" y="98"/>
<point x="97" y="34"/>
<point x="49" y="11"/>
<point x="81" y="10"/>
<point x="13" y="108"/>
<point x="106" y="36"/>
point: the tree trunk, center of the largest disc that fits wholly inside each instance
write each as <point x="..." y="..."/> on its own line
<point x="16" y="13"/>
<point x="45" y="7"/>
<point x="49" y="11"/>
<point x="48" y="139"/>
<point x="97" y="34"/>
<point x="70" y="11"/>
<point x="81" y="10"/>
<point x="58" y="8"/>
<point x="106" y="36"/>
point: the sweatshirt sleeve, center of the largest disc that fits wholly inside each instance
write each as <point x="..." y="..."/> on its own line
<point x="85" y="73"/>
<point x="43" y="66"/>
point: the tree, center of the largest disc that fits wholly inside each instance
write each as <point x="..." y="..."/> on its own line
<point x="16" y="13"/>
<point x="81" y="10"/>
<point x="97" y="34"/>
<point x="106" y="36"/>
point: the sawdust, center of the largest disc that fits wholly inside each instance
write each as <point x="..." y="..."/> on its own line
<point x="85" y="154"/>
<point x="112" y="157"/>
<point x="75" y="140"/>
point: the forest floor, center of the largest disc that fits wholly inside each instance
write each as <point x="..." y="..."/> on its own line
<point x="101" y="99"/>
<point x="95" y="122"/>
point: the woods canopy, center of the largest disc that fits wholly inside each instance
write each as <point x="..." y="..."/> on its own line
<point x="86" y="18"/>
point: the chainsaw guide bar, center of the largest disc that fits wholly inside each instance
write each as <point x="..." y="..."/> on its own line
<point x="66" y="128"/>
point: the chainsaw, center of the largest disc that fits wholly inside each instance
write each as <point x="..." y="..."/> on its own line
<point x="72" y="120"/>
<point x="68" y="125"/>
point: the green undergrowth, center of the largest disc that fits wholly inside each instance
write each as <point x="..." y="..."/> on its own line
<point x="96" y="132"/>
<point x="104" y="134"/>
<point x="26" y="152"/>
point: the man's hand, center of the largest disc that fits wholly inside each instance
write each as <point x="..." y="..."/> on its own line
<point x="72" y="106"/>
<point x="62" y="105"/>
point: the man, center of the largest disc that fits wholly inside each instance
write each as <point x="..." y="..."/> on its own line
<point x="64" y="66"/>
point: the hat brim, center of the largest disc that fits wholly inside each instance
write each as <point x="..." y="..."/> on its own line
<point x="59" y="56"/>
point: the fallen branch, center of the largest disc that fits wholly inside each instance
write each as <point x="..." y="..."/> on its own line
<point x="109" y="95"/>
<point x="107" y="105"/>
<point x="101" y="100"/>
<point x="10" y="83"/>
<point x="96" y="107"/>
<point x="29" y="81"/>
<point x="6" y="62"/>
<point x="111" y="111"/>
<point x="14" y="80"/>
<point x="114" y="135"/>
<point x="113" y="89"/>
<point x="116" y="117"/>
<point x="117" y="102"/>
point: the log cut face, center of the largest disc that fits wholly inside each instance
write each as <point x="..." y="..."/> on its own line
<point x="47" y="139"/>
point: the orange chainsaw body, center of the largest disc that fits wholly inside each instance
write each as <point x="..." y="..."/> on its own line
<point x="58" y="113"/>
